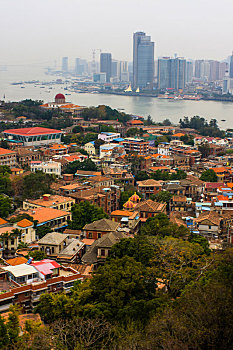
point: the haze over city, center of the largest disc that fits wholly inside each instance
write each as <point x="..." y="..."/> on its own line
<point x="39" y="32"/>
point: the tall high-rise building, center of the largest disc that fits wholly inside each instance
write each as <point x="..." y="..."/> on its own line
<point x="164" y="73"/>
<point x="171" y="73"/>
<point x="106" y="65"/>
<point x="80" y="66"/>
<point x="189" y="71"/>
<point x="231" y="67"/>
<point x="223" y="68"/>
<point x="64" y="65"/>
<point x="199" y="68"/>
<point x="143" y="60"/>
<point x="214" y="71"/>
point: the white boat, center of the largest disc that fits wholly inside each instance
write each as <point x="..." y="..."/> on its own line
<point x="129" y="89"/>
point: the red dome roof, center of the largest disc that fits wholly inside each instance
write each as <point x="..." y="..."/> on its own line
<point x="59" y="97"/>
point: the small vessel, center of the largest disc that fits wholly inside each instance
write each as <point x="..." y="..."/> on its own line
<point x="138" y="90"/>
<point x="223" y="120"/>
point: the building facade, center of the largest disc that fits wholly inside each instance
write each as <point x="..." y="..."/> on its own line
<point x="143" y="60"/>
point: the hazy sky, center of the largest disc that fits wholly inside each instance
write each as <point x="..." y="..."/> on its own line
<point x="44" y="30"/>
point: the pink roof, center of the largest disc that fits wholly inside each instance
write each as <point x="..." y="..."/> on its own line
<point x="32" y="131"/>
<point x="46" y="266"/>
<point x="214" y="184"/>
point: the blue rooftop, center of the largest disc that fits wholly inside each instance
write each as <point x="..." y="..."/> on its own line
<point x="119" y="139"/>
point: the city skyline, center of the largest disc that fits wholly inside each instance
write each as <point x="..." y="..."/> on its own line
<point x="47" y="30"/>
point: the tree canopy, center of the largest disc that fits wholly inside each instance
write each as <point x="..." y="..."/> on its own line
<point x="209" y="176"/>
<point x="85" y="213"/>
<point x="87" y="165"/>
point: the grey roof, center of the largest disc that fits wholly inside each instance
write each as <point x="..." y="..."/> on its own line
<point x="107" y="241"/>
<point x="53" y="238"/>
<point x="72" y="248"/>
<point x="102" y="225"/>
<point x="170" y="187"/>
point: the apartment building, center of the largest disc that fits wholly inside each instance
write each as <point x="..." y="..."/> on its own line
<point x="7" y="157"/>
<point x="132" y="145"/>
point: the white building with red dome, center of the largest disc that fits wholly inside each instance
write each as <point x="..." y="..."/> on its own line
<point x="67" y="107"/>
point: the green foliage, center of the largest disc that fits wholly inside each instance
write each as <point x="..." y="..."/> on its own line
<point x="5" y="206"/>
<point x="13" y="323"/>
<point x="4" y="170"/>
<point x="5" y="183"/>
<point x="87" y="165"/>
<point x="163" y="196"/>
<point x="194" y="238"/>
<point x="106" y="128"/>
<point x="20" y="217"/>
<point x="159" y="225"/>
<point x="77" y="129"/>
<point x="37" y="255"/>
<point x="104" y="113"/>
<point x="85" y="213"/>
<point x="204" y="149"/>
<point x="41" y="231"/>
<point x="164" y="175"/>
<point x="36" y="184"/>
<point x="138" y="248"/>
<point x="187" y="139"/>
<point x="132" y="132"/>
<point x="121" y="290"/>
<point x="4" y="338"/>
<point x="210" y="129"/>
<point x="141" y="176"/>
<point x="209" y="176"/>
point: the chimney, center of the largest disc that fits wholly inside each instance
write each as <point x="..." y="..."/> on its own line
<point x="46" y="197"/>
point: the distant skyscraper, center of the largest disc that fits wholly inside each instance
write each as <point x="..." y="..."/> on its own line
<point x="231" y="67"/>
<point x="214" y="71"/>
<point x="80" y="66"/>
<point x="143" y="60"/>
<point x="223" y="68"/>
<point x="199" y="68"/>
<point x="64" y="65"/>
<point x="171" y="73"/>
<point x="164" y="73"/>
<point x="189" y="71"/>
<point x="106" y="65"/>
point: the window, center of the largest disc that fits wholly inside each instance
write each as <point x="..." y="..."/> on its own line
<point x="89" y="235"/>
<point x="102" y="252"/>
<point x="52" y="250"/>
<point x="209" y="227"/>
<point x="99" y="235"/>
<point x="12" y="242"/>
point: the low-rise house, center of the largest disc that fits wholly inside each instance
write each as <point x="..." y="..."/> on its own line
<point x="11" y="235"/>
<point x="101" y="181"/>
<point x="22" y="284"/>
<point x="129" y="219"/>
<point x="209" y="224"/>
<point x="175" y="188"/>
<point x="149" y="208"/>
<point x="99" y="228"/>
<point x="16" y="171"/>
<point x="149" y="187"/>
<point x="139" y="146"/>
<point x="108" y="136"/>
<point x="100" y="249"/>
<point x="50" y="201"/>
<point x="46" y="268"/>
<point x="55" y="219"/>
<point x="178" y="203"/>
<point x="90" y="148"/>
<point x="50" y="167"/>
<point x="53" y="243"/>
<point x="7" y="157"/>
<point x="25" y="155"/>
<point x="73" y="252"/>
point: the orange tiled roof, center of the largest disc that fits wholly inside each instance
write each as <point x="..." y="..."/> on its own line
<point x="17" y="261"/>
<point x="24" y="223"/>
<point x="136" y="122"/>
<point x="46" y="214"/>
<point x="179" y="134"/>
<point x="220" y="170"/>
<point x="5" y="151"/>
<point x="121" y="213"/>
<point x="2" y="222"/>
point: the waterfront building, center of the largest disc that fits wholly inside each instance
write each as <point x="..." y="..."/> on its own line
<point x="80" y="66"/>
<point x="143" y="60"/>
<point x="214" y="71"/>
<point x="64" y="65"/>
<point x="231" y="67"/>
<point x="189" y="71"/>
<point x="106" y="65"/>
<point x="35" y="136"/>
<point x="171" y="73"/>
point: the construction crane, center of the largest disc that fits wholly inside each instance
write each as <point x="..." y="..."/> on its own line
<point x="94" y="52"/>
